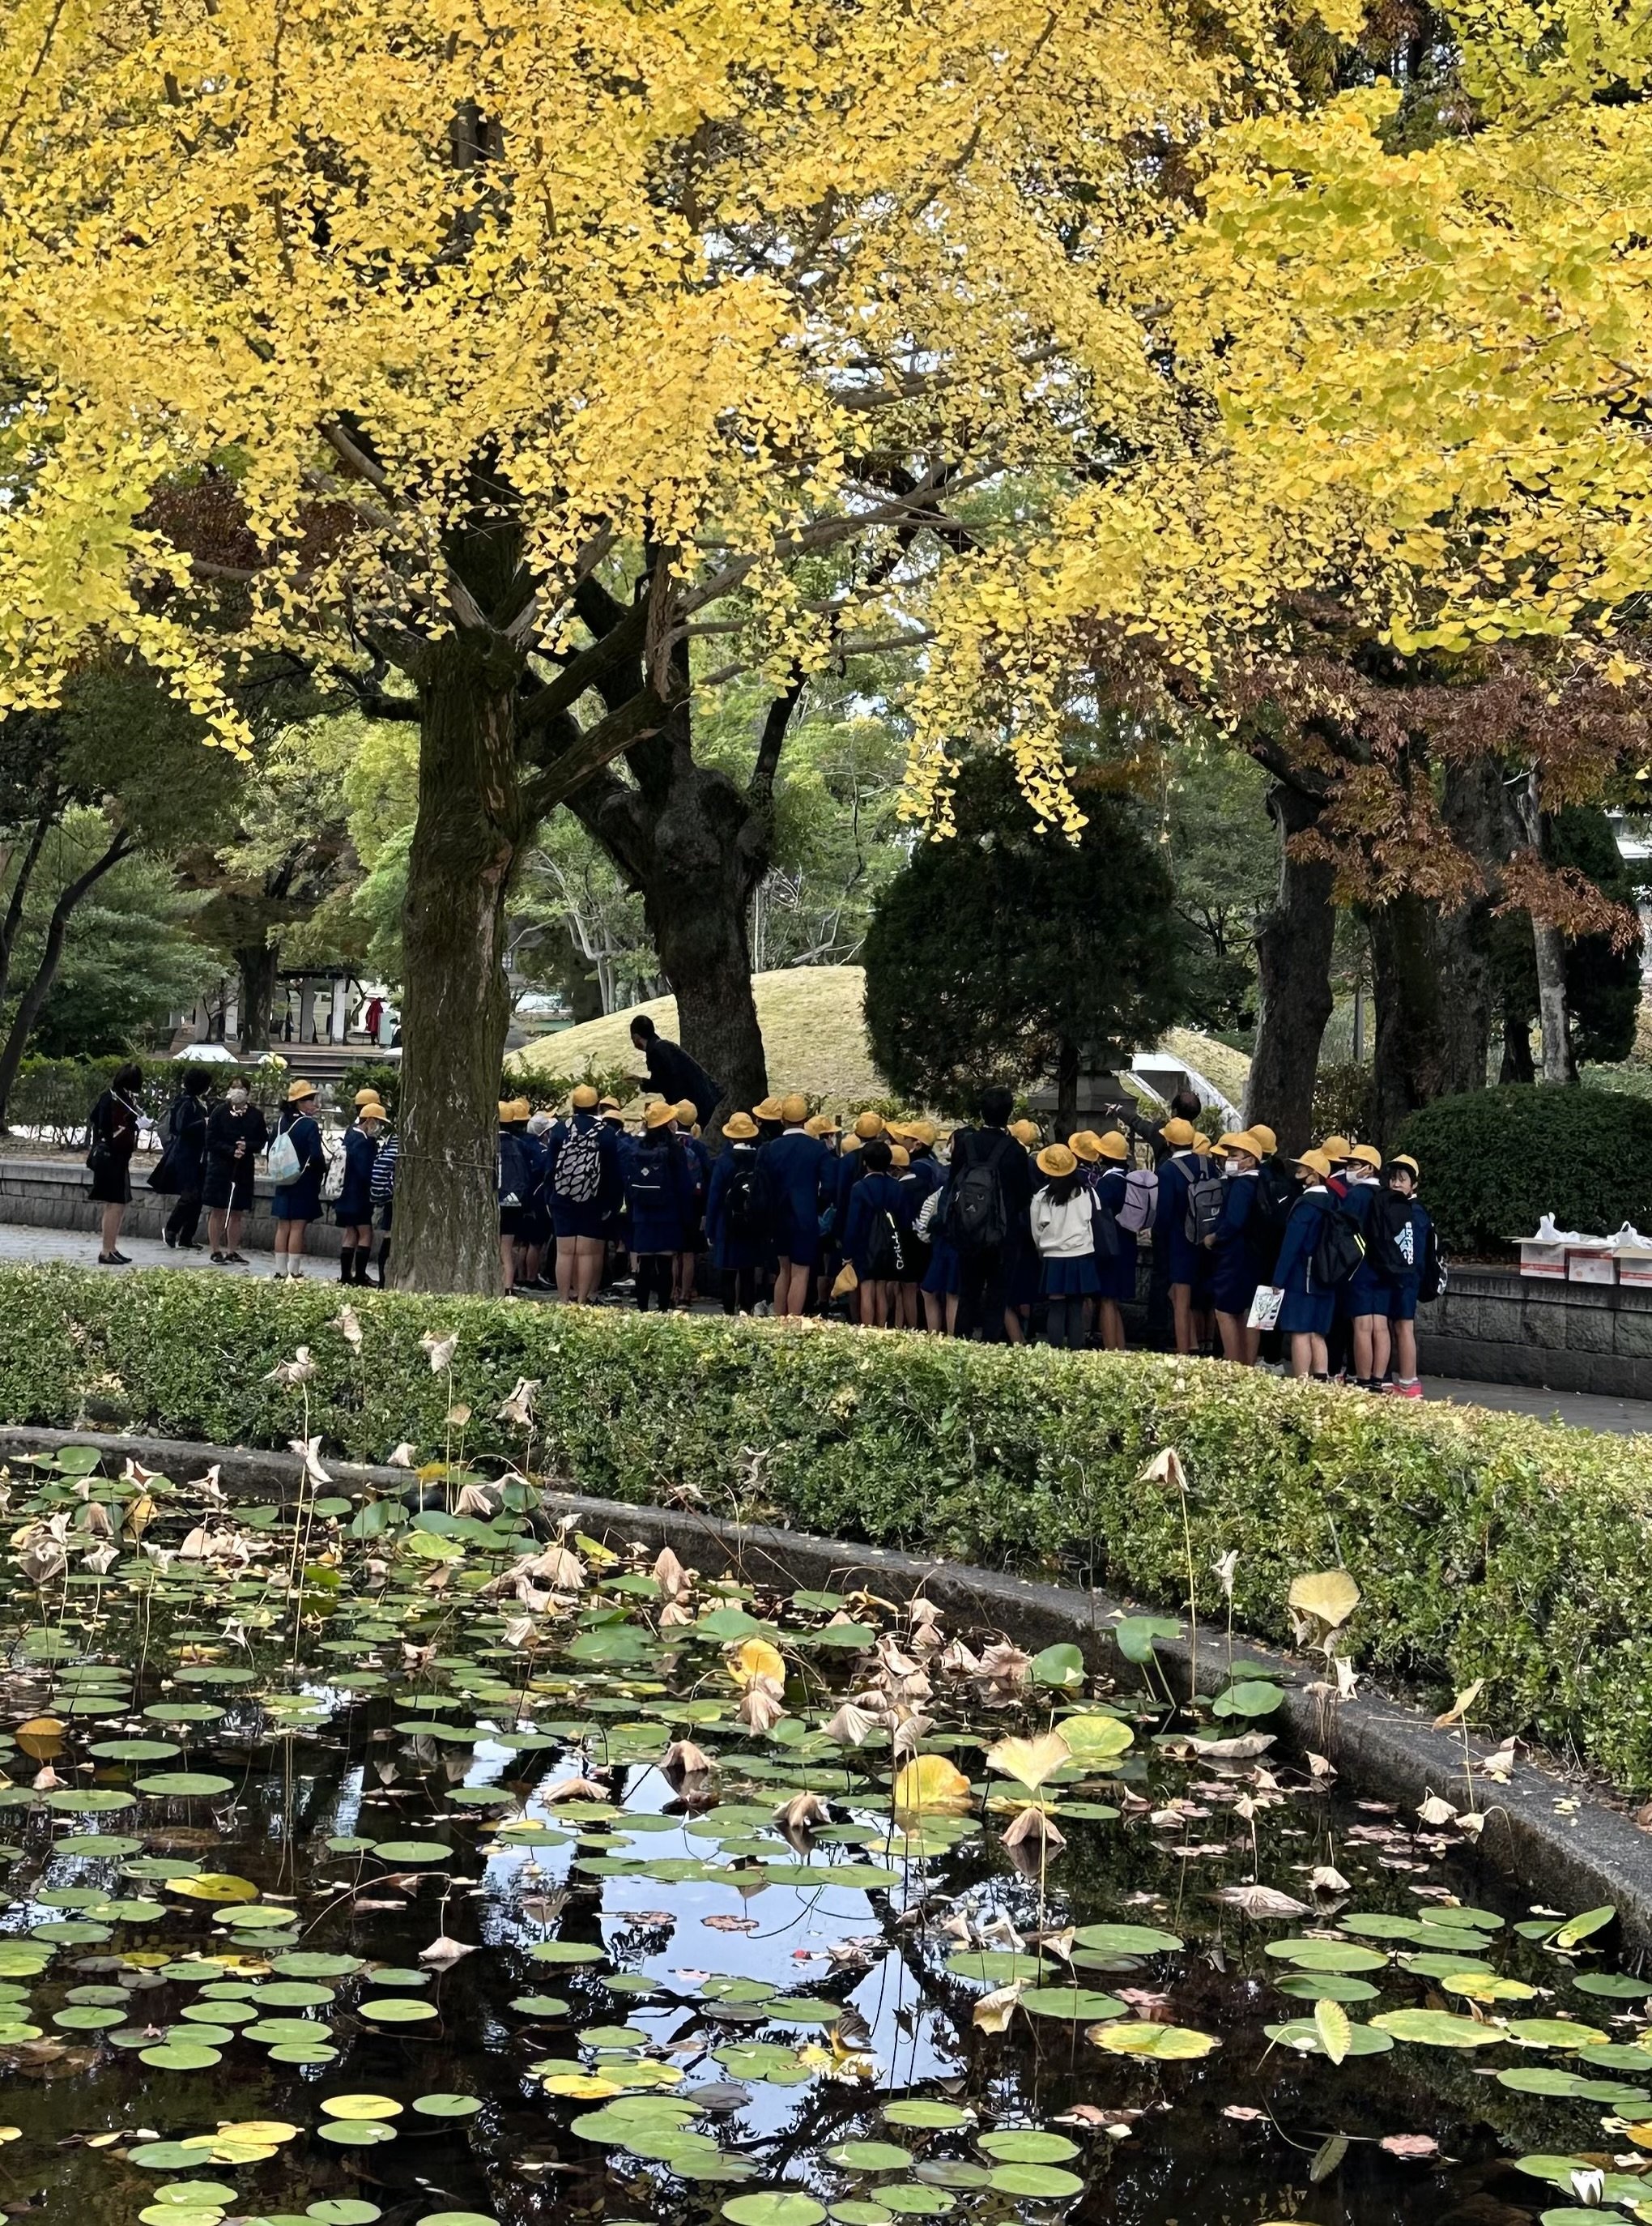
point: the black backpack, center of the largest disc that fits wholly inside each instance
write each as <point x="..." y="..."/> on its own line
<point x="1389" y="1237"/>
<point x="1431" y="1279"/>
<point x="1276" y="1193"/>
<point x="885" y="1251"/>
<point x="1338" y="1249"/>
<point x="977" y="1217"/>
<point x="516" y="1171"/>
<point x="742" y="1200"/>
<point x="646" y="1182"/>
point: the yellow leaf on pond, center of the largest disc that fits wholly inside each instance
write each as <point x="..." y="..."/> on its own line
<point x="1330" y="1597"/>
<point x="1029" y="1761"/>
<point x="930" y="1782"/>
<point x="754" y="1658"/>
<point x="1336" y="2031"/>
<point x="214" y="1885"/>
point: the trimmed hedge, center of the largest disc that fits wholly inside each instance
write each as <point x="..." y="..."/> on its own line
<point x="1484" y="1545"/>
<point x="1495" y="1159"/>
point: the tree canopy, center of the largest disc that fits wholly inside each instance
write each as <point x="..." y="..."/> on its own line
<point x="1007" y="954"/>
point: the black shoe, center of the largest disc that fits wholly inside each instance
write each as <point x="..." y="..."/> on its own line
<point x="171" y="1241"/>
<point x="220" y="1259"/>
<point x="113" y="1260"/>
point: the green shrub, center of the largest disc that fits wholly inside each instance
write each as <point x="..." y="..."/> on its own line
<point x="382" y="1075"/>
<point x="54" y="1097"/>
<point x="1495" y="1159"/>
<point x="1485" y="1545"/>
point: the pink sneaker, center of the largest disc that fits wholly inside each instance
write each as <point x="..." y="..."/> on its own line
<point x="1411" y="1390"/>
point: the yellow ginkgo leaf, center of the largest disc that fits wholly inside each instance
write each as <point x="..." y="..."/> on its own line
<point x="930" y="1781"/>
<point x="754" y="1658"/>
<point x="1330" y="1597"/>
<point x="1029" y="1761"/>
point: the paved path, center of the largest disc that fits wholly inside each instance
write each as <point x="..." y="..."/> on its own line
<point x="1583" y="1410"/>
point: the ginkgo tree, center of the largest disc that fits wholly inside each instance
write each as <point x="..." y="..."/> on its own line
<point x="493" y="358"/>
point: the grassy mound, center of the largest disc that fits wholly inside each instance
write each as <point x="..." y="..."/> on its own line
<point x="1484" y="1545"/>
<point x="813" y="1033"/>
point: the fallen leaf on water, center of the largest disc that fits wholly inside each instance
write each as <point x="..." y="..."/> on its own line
<point x="1409" y="2145"/>
<point x="446" y="1951"/>
<point x="1259" y="1901"/>
<point x="993" y="2013"/>
<point x="1246" y="2113"/>
<point x="731" y="1923"/>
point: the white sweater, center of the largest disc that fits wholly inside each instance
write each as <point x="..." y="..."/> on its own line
<point x="1064" y="1231"/>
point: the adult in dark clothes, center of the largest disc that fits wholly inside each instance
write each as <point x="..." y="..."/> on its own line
<point x="984" y="1273"/>
<point x="114" y="1138"/>
<point x="354" y="1210"/>
<point x="185" y="1157"/>
<point x="236" y="1134"/>
<point x="299" y="1202"/>
<point x="660" y="1191"/>
<point x="795" y="1169"/>
<point x="672" y="1072"/>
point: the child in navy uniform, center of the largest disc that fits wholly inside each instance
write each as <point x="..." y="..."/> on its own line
<point x="1306" y="1311"/>
<point x="1414" y="1246"/>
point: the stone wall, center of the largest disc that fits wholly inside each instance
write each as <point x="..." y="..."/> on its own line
<point x="1496" y="1326"/>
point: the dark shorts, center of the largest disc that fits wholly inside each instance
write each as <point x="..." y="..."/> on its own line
<point x="112" y="1186"/>
<point x="512" y="1219"/>
<point x="1304" y="1314"/>
<point x="1402" y="1301"/>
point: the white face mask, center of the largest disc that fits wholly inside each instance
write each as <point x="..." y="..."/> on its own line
<point x="238" y="1099"/>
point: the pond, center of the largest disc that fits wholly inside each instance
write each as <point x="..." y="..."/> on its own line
<point x="447" y="1868"/>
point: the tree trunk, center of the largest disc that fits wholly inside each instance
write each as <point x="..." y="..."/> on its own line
<point x="467" y="841"/>
<point x="1066" y="1088"/>
<point x="34" y="997"/>
<point x="1412" y="1061"/>
<point x="256" y="965"/>
<point x="690" y="843"/>
<point x="1294" y="962"/>
<point x="1548" y="948"/>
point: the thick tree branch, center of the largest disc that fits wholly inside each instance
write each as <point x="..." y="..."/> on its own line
<point x="623" y="640"/>
<point x="598" y="746"/>
<point x="43" y="824"/>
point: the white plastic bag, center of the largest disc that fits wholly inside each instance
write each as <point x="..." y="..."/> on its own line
<point x="1264" y="1308"/>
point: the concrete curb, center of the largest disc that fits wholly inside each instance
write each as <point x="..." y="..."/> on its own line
<point x="1564" y="1848"/>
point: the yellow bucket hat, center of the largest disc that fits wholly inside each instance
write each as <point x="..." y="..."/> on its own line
<point x="584" y="1098"/>
<point x="1179" y="1134"/>
<point x="1086" y="1146"/>
<point x="794" y="1108"/>
<point x="1265" y="1137"/>
<point x="657" y="1116"/>
<point x="1026" y="1132"/>
<point x="740" y="1127"/>
<point x="1056" y="1160"/>
<point x="867" y="1125"/>
<point x="1112" y="1146"/>
<point x="1315" y="1163"/>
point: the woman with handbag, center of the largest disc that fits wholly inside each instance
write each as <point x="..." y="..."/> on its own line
<point x="297" y="1171"/>
<point x="181" y="1172"/>
<point x="113" y="1140"/>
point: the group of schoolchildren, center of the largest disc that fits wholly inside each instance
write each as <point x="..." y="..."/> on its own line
<point x="1319" y="1260"/>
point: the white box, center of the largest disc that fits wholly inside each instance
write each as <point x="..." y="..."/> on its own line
<point x="1591" y="1268"/>
<point x="1542" y="1260"/>
<point x="1635" y="1270"/>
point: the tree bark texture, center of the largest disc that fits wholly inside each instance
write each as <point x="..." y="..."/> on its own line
<point x="1293" y="963"/>
<point x="256" y="965"/>
<point x="1548" y="948"/>
<point x="467" y="841"/>
<point x="1067" y="1063"/>
<point x="694" y="847"/>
